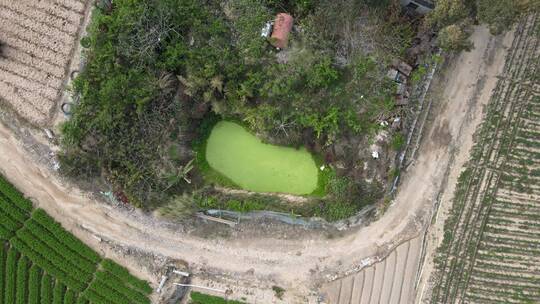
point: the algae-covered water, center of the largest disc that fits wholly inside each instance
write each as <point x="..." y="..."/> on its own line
<point x="253" y="165"/>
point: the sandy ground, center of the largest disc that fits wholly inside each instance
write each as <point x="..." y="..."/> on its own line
<point x="489" y="55"/>
<point x="250" y="265"/>
<point x="464" y="89"/>
<point x="39" y="39"/>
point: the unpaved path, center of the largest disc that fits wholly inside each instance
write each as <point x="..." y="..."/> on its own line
<point x="464" y="90"/>
<point x="251" y="265"/>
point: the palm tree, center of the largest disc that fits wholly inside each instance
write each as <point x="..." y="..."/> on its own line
<point x="180" y="174"/>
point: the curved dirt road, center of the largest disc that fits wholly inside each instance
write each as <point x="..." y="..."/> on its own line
<point x="251" y="265"/>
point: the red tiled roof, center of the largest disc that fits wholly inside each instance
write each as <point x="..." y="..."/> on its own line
<point x="282" y="27"/>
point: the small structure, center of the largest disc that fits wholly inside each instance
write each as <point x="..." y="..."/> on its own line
<point x="267" y="29"/>
<point x="421" y="7"/>
<point x="402" y="67"/>
<point x="282" y="27"/>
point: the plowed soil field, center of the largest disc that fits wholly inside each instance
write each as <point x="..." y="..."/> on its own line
<point x="38" y="41"/>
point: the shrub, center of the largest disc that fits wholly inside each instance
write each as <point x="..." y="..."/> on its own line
<point x="454" y="38"/>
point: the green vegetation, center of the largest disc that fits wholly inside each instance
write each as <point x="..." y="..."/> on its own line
<point x="158" y="71"/>
<point x="46" y="264"/>
<point x="259" y="167"/>
<point x="201" y="298"/>
<point x="453" y="18"/>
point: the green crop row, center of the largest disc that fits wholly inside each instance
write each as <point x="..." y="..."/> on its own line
<point x="2" y="268"/>
<point x="133" y="295"/>
<point x="8" y="222"/>
<point x="7" y="189"/>
<point x="91" y="296"/>
<point x="124" y="275"/>
<point x="72" y="255"/>
<point x="78" y="272"/>
<point x="14" y="212"/>
<point x="41" y="217"/>
<point x="46" y="294"/>
<point x="11" y="273"/>
<point x="22" y="280"/>
<point x="47" y="265"/>
<point x="69" y="297"/>
<point x="112" y="296"/>
<point x="34" y="282"/>
<point x="58" y="293"/>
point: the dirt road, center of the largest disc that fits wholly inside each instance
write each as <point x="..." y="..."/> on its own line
<point x="251" y="265"/>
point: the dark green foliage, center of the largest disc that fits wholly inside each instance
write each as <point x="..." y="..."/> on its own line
<point x="155" y="68"/>
<point x="11" y="275"/>
<point x="46" y="295"/>
<point x="23" y="267"/>
<point x="34" y="283"/>
<point x="201" y="298"/>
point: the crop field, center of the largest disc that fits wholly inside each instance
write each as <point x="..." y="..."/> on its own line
<point x="491" y="248"/>
<point x="40" y="262"/>
<point x="38" y="39"/>
<point x="389" y="281"/>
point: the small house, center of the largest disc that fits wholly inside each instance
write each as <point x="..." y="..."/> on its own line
<point x="282" y="27"/>
<point x="421" y="7"/>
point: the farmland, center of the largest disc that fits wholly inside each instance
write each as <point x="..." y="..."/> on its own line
<point x="389" y="281"/>
<point x="40" y="262"/>
<point x="490" y="252"/>
<point x="38" y="40"/>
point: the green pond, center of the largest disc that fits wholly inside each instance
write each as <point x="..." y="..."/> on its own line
<point x="253" y="165"/>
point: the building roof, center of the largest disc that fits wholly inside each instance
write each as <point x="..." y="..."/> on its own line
<point x="282" y="27"/>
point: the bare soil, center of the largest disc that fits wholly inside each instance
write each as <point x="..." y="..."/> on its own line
<point x="39" y="39"/>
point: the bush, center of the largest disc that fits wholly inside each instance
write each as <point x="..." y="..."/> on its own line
<point x="454" y="38"/>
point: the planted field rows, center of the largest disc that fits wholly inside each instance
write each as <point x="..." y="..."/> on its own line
<point x="38" y="39"/>
<point x="491" y="249"/>
<point x="40" y="262"/>
<point x="389" y="281"/>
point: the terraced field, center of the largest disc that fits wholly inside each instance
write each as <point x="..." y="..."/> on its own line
<point x="389" y="281"/>
<point x="40" y="262"/>
<point x="491" y="249"/>
<point x="38" y="40"/>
